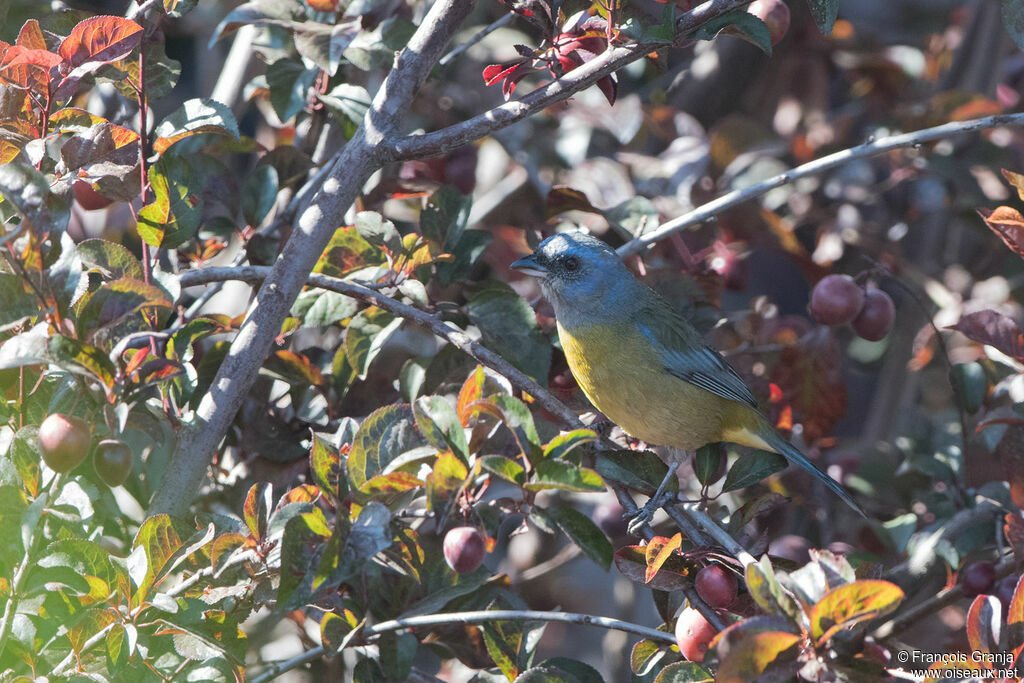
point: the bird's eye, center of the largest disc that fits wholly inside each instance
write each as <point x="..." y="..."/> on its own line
<point x="571" y="263"/>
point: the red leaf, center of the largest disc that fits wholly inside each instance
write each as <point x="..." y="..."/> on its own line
<point x="100" y="39"/>
<point x="1008" y="224"/>
<point x="27" y="68"/>
<point x="495" y="72"/>
<point x="609" y="85"/>
<point x="994" y="329"/>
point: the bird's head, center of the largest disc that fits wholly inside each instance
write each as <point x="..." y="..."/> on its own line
<point x="579" y="275"/>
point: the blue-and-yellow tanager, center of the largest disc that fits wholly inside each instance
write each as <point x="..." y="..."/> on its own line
<point x="641" y="363"/>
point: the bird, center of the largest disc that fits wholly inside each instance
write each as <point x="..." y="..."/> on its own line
<point x="642" y="364"/>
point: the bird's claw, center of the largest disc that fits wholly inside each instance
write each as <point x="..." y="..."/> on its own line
<point x="644" y="515"/>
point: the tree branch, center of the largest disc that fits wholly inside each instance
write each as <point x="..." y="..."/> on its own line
<point x="316" y="224"/>
<point x="868" y="149"/>
<point x="456" y="135"/>
<point x="477" y="617"/>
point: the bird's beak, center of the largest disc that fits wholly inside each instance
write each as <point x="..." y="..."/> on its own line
<point x="530" y="266"/>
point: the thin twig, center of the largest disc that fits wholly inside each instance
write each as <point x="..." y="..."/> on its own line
<point x="454" y="136"/>
<point x="466" y="618"/>
<point x="730" y="199"/>
<point x="907" y="618"/>
<point x="477" y="37"/>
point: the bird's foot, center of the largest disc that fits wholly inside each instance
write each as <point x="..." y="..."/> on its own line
<point x="644" y="515"/>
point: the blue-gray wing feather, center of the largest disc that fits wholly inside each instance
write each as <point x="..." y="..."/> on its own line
<point x="686" y="356"/>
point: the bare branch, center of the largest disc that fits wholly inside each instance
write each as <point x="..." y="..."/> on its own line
<point x="477" y="617"/>
<point x="313" y="230"/>
<point x="868" y="149"/>
<point x="456" y="135"/>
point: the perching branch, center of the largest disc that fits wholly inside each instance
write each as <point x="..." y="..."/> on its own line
<point x="467" y="618"/>
<point x="314" y="227"/>
<point x="871" y="148"/>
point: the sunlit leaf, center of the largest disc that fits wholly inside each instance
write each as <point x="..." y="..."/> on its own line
<point x="851" y="604"/>
<point x="750" y="469"/>
<point x="659" y="549"/>
<point x="195" y="116"/>
<point x="383" y="436"/>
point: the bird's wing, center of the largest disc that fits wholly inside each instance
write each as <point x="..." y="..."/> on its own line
<point x="685" y="355"/>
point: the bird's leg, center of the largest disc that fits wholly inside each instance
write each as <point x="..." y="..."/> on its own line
<point x="646" y="513"/>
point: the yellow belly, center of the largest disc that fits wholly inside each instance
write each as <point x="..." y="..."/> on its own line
<point x="622" y="376"/>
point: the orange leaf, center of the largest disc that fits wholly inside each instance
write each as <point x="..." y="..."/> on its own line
<point x="323" y="5"/>
<point x="757" y="653"/>
<point x="659" y="549"/>
<point x="1008" y="224"/>
<point x="851" y="604"/>
<point x="31" y="36"/>
<point x="100" y="39"/>
<point x="1015" y="179"/>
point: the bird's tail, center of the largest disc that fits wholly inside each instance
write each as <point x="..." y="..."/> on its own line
<point x="778" y="444"/>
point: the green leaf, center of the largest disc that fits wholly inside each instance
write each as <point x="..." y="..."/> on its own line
<point x="707" y="462"/>
<point x="347" y="251"/>
<point x="259" y="194"/>
<point x="503" y="467"/>
<point x="639" y="470"/>
<point x="466" y="253"/>
<point x="752" y="468"/>
<point x="320" y="308"/>
<point x="29" y="193"/>
<point x="383" y="436"/>
<point x="509" y="327"/>
<point x="644" y="656"/>
<point x="348" y="103"/>
<point x="768" y="592"/>
<point x="969" y="385"/>
<point x="111" y="260"/>
<point x="289" y="83"/>
<point x="684" y="672"/>
<point x="378" y="231"/>
<point x="80" y="358"/>
<point x="18" y="300"/>
<point x="826" y="11"/>
<point x="195" y="116"/>
<point x="160" y="540"/>
<point x="444" y="482"/>
<point x="516" y="416"/>
<point x="440" y="426"/>
<point x="88" y="559"/>
<point x="300" y="533"/>
<point x="444" y="218"/>
<point x="746" y="26"/>
<point x="173" y="217"/>
<point x="558" y="474"/>
<point x="323" y="44"/>
<point x="560" y="670"/>
<point x="121" y="307"/>
<point x="327" y="468"/>
<point x="582" y="531"/>
<point x="504" y="641"/>
<point x="26" y="456"/>
<point x="563" y="444"/>
<point x="396" y="654"/>
<point x="366" y="335"/>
